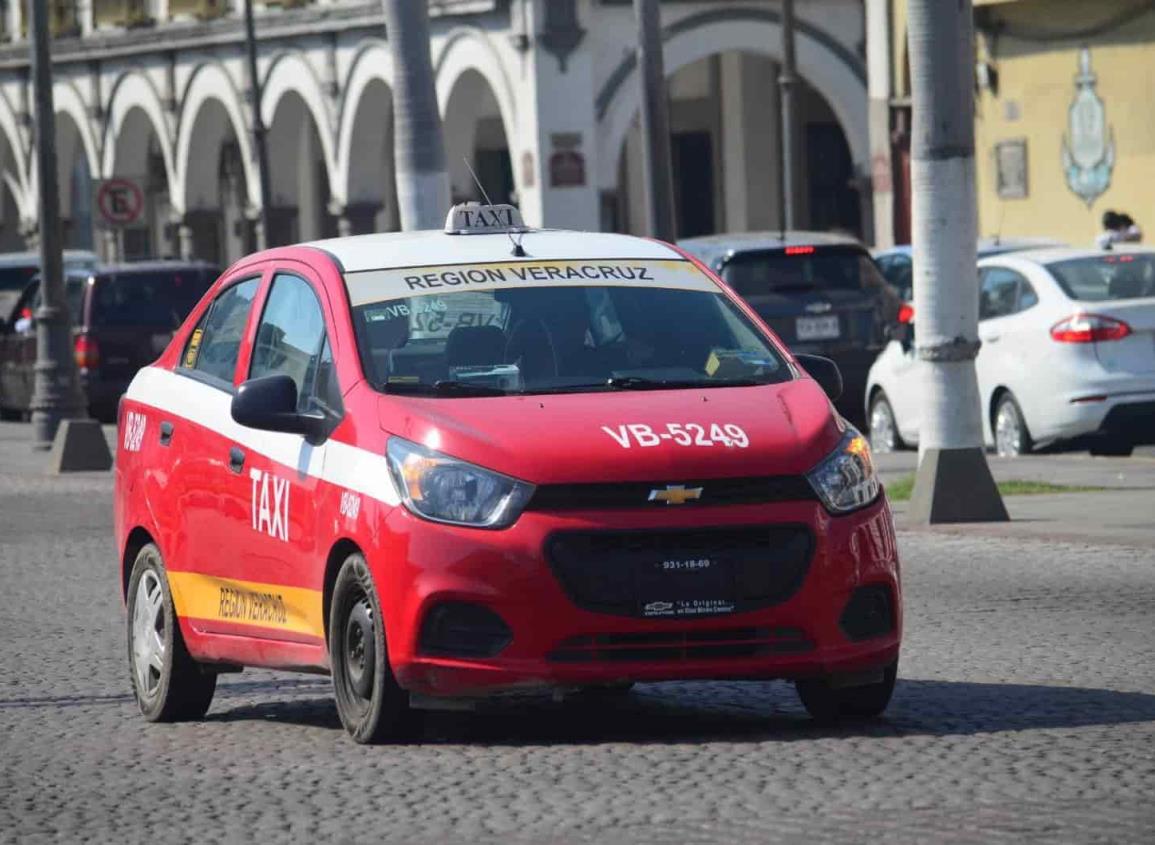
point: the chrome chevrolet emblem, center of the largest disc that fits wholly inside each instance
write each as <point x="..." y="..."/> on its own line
<point x="676" y="494"/>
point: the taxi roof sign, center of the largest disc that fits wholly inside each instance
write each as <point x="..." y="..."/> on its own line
<point x="473" y="218"/>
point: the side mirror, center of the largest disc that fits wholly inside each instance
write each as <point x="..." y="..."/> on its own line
<point x="269" y="403"/>
<point x="825" y="372"/>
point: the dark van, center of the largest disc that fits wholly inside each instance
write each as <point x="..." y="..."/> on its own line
<point x="123" y="316"/>
<point x="821" y="293"/>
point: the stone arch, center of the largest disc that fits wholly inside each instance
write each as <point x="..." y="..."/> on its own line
<point x="367" y="187"/>
<point x="824" y="63"/>
<point x="291" y="73"/>
<point x="209" y="89"/>
<point x="372" y="65"/>
<point x="134" y="90"/>
<point x="69" y="102"/>
<point x="468" y="50"/>
<point x="15" y="164"/>
<point x="476" y="137"/>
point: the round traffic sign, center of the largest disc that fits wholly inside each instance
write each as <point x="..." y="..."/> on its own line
<point x="120" y="202"/>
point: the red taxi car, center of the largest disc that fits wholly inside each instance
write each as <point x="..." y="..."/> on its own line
<point x="442" y="465"/>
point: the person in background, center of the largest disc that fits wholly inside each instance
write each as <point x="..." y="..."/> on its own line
<point x="1118" y="228"/>
<point x="1131" y="233"/>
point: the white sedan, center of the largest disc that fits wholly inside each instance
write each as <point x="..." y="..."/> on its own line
<point x="1068" y="351"/>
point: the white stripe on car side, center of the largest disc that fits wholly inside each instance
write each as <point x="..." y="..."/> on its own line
<point x="340" y="464"/>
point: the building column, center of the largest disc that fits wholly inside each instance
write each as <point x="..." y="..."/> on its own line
<point x="878" y="70"/>
<point x="554" y="147"/>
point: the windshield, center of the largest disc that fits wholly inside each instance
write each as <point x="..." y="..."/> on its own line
<point x="802" y="268"/>
<point x="533" y="338"/>
<point x="1105" y="277"/>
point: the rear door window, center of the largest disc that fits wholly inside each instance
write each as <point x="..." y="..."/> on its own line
<point x="999" y="295"/>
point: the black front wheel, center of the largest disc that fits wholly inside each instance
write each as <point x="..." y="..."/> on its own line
<point x="826" y="702"/>
<point x="372" y="707"/>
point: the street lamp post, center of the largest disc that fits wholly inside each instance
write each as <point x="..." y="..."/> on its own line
<point x="787" y="83"/>
<point x="656" y="165"/>
<point x="56" y="394"/>
<point x="259" y="139"/>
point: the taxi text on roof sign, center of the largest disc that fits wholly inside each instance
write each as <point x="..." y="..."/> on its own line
<point x="472" y="218"/>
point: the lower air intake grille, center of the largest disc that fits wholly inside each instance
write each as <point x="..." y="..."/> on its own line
<point x="673" y="646"/>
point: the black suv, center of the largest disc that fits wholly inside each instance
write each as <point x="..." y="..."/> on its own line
<point x="123" y="317"/>
<point x="821" y="293"/>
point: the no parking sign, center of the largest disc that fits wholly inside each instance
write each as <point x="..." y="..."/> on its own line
<point x="120" y="202"/>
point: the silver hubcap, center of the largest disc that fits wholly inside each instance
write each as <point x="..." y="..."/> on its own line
<point x="1008" y="431"/>
<point x="148" y="650"/>
<point x="882" y="433"/>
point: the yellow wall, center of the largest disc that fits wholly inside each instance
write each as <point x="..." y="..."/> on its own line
<point x="1039" y="77"/>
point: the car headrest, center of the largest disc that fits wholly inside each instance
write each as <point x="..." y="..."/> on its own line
<point x="469" y="346"/>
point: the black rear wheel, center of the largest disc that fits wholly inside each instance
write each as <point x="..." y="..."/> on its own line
<point x="826" y="702"/>
<point x="372" y="707"/>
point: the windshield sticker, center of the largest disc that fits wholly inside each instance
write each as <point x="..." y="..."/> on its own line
<point x="679" y="434"/>
<point x="194" y="345"/>
<point x="380" y="285"/>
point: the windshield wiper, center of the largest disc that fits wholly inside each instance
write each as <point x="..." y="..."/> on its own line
<point x="445" y="388"/>
<point x="643" y="383"/>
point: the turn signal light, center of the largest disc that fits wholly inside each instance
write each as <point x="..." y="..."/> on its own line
<point x="1089" y="328"/>
<point x="86" y="352"/>
<point x="905" y="313"/>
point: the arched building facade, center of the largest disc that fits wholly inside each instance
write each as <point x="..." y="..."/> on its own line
<point x="538" y="99"/>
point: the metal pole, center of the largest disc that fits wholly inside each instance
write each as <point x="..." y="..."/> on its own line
<point x="258" y="128"/>
<point x="56" y="394"/>
<point x="787" y="82"/>
<point x="656" y="167"/>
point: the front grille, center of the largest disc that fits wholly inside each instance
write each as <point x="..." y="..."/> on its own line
<point x="636" y="494"/>
<point x="670" y="646"/>
<point x="681" y="574"/>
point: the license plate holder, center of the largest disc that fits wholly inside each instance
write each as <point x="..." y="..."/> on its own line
<point x="686" y="586"/>
<point x="817" y="328"/>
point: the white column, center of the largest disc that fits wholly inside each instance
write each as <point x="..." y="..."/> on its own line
<point x="560" y="106"/>
<point x="878" y="71"/>
<point x="735" y="180"/>
<point x="160" y="11"/>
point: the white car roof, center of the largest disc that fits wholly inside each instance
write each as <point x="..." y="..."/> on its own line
<point x="392" y="250"/>
<point x="1053" y="254"/>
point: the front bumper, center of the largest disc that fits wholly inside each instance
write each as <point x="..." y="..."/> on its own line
<point x="555" y="643"/>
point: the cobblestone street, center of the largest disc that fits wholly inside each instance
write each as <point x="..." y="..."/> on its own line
<point x="1025" y="711"/>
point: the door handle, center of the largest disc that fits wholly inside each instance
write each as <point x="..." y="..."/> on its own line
<point x="990" y="338"/>
<point x="236" y="459"/>
<point x="166" y="433"/>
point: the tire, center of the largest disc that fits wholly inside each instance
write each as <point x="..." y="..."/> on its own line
<point x="607" y="693"/>
<point x="826" y="703"/>
<point x="1011" y="435"/>
<point x="372" y="707"/>
<point x="884" y="436"/>
<point x="1112" y="449"/>
<point x="169" y="686"/>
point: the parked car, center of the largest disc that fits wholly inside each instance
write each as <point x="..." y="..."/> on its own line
<point x="1068" y="351"/>
<point x="122" y="316"/>
<point x="17" y="269"/>
<point x="897" y="262"/>
<point x="821" y="293"/>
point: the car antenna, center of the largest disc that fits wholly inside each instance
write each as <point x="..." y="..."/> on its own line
<point x="518" y="250"/>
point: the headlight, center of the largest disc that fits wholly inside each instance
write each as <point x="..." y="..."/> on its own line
<point x="845" y="479"/>
<point x="444" y="489"/>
